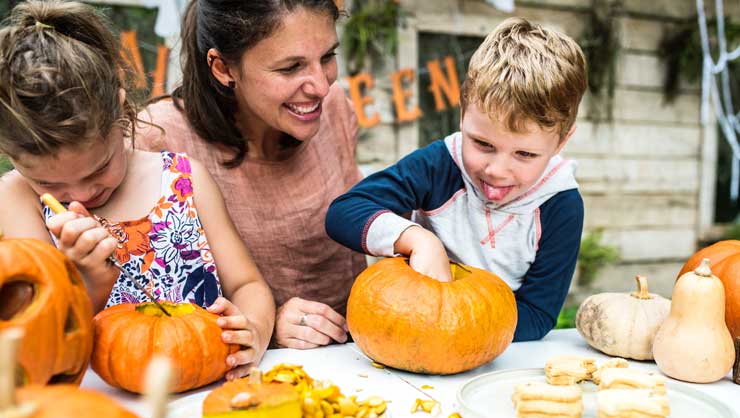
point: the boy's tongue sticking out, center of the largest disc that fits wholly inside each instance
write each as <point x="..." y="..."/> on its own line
<point x="495" y="193"/>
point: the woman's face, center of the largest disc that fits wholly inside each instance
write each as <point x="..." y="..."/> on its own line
<point x="284" y="78"/>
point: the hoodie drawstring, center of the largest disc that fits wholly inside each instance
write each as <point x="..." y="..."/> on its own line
<point x="491" y="237"/>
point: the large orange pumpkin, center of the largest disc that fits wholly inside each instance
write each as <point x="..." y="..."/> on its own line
<point x="42" y="292"/>
<point x="724" y="260"/>
<point x="403" y="319"/>
<point x="69" y="401"/>
<point x="128" y="336"/>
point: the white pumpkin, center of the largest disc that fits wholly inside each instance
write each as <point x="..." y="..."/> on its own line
<point x="623" y="324"/>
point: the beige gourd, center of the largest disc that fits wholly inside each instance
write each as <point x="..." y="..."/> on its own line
<point x="694" y="343"/>
<point x="623" y="324"/>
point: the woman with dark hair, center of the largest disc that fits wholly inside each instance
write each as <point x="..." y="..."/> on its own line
<point x="258" y="106"/>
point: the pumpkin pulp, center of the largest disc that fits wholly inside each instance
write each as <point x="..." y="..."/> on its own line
<point x="459" y="272"/>
<point x="174" y="309"/>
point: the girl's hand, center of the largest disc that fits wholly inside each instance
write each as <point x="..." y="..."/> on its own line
<point x="88" y="245"/>
<point x="304" y="324"/>
<point x="237" y="330"/>
<point x="427" y="254"/>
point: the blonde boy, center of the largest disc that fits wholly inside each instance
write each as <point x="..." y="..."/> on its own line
<point x="496" y="195"/>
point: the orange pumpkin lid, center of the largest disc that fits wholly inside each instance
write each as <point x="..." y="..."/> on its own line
<point x="242" y="394"/>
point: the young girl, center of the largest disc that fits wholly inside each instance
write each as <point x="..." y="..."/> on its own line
<point x="67" y="127"/>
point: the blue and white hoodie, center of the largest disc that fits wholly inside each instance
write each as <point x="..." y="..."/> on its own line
<point x="531" y="242"/>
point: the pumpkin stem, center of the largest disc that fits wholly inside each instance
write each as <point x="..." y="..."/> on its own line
<point x="9" y="341"/>
<point x="158" y="382"/>
<point x="642" y="288"/>
<point x="703" y="270"/>
<point x="1" y="233"/>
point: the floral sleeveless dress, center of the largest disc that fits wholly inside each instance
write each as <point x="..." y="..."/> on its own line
<point x="166" y="250"/>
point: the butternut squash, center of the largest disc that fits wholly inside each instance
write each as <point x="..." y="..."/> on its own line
<point x="694" y="343"/>
<point x="623" y="324"/>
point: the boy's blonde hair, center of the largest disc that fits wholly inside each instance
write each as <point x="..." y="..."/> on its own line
<point x="523" y="72"/>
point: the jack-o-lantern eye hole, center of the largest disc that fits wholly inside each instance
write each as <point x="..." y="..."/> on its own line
<point x="15" y="297"/>
<point x="21" y="377"/>
<point x="63" y="378"/>
<point x="72" y="273"/>
<point x="71" y="324"/>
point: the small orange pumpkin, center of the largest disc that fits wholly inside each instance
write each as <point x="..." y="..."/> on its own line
<point x="406" y="320"/>
<point x="42" y="293"/>
<point x="128" y="335"/>
<point x="724" y="260"/>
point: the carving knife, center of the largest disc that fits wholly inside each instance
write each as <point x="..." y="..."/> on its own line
<point x="57" y="208"/>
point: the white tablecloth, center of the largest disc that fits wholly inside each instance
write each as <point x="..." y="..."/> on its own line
<point x="348" y="368"/>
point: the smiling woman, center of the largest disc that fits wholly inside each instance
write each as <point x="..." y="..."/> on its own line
<point x="66" y="125"/>
<point x="260" y="108"/>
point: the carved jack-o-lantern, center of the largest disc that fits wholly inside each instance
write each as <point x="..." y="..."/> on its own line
<point x="42" y="292"/>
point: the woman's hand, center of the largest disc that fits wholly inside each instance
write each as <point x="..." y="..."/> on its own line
<point x="238" y="330"/>
<point x="426" y="253"/>
<point x="88" y="245"/>
<point x="304" y="324"/>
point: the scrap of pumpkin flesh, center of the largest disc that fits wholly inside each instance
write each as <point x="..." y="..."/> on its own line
<point x="427" y="406"/>
<point x="323" y="399"/>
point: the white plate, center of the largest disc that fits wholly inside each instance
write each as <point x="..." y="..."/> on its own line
<point x="489" y="395"/>
<point x="192" y="407"/>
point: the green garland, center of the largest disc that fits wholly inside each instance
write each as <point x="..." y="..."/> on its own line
<point x="371" y="30"/>
<point x="600" y="45"/>
<point x="4" y="164"/>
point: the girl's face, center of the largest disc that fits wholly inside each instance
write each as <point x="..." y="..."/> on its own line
<point x="283" y="79"/>
<point x="88" y="175"/>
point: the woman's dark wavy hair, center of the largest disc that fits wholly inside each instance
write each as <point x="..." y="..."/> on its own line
<point x="231" y="27"/>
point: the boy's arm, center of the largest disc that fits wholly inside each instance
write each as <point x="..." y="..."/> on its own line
<point x="368" y="217"/>
<point x="546" y="284"/>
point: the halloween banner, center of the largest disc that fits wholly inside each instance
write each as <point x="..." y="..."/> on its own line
<point x="444" y="84"/>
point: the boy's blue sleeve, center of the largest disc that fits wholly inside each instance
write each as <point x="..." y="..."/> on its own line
<point x="424" y="179"/>
<point x="546" y="284"/>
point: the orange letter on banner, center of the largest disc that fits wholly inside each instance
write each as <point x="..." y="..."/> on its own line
<point x="159" y="76"/>
<point x="132" y="56"/>
<point x="400" y="95"/>
<point x="438" y="83"/>
<point x="360" y="101"/>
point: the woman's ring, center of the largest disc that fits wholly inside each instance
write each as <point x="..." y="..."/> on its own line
<point x="303" y="320"/>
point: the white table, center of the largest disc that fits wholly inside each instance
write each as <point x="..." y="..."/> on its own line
<point x="348" y="368"/>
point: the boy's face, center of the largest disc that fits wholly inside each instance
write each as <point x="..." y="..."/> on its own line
<point x="502" y="164"/>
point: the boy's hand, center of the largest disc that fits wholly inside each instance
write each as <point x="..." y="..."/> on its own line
<point x="88" y="245"/>
<point x="426" y="253"/>
<point x="237" y="330"/>
<point x="304" y="324"/>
